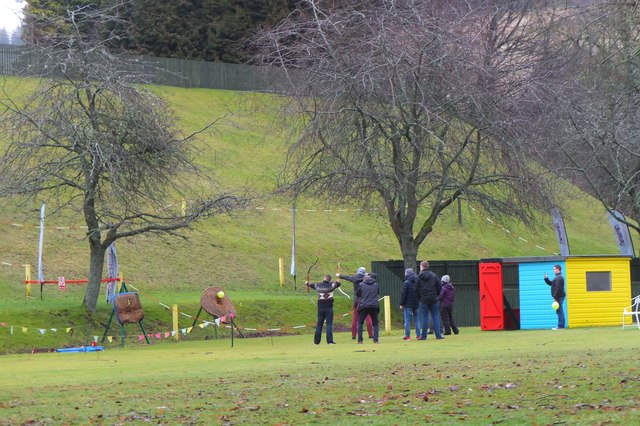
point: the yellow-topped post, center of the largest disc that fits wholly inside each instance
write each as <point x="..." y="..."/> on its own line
<point x="387" y="315"/>
<point x="175" y="312"/>
<point x="27" y="278"/>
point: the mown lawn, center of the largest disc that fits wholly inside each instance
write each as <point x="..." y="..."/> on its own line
<point x="575" y="376"/>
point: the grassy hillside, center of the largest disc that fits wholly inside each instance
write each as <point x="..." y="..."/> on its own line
<point x="241" y="252"/>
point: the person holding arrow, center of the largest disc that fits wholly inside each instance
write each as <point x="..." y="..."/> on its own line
<point x="325" y="290"/>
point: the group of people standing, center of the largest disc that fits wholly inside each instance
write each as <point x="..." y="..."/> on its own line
<point x="365" y="305"/>
<point x="427" y="301"/>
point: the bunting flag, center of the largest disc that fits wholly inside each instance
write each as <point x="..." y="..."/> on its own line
<point x="293" y="244"/>
<point x="561" y="232"/>
<point x="621" y="232"/>
<point x="112" y="272"/>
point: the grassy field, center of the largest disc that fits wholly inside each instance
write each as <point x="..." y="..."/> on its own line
<point x="576" y="376"/>
<point x="585" y="376"/>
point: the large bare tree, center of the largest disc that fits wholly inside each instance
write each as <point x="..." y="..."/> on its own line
<point x="413" y="105"/>
<point x="89" y="139"/>
<point x="596" y="121"/>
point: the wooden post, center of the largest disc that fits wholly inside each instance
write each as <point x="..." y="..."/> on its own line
<point x="176" y="313"/>
<point x="387" y="315"/>
<point x="281" y="270"/>
<point x="27" y="277"/>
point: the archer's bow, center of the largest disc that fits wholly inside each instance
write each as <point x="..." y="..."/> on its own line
<point x="338" y="271"/>
<point x="309" y="280"/>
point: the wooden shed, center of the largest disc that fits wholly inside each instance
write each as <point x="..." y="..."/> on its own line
<point x="598" y="288"/>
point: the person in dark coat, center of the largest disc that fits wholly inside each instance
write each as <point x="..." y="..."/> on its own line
<point x="558" y="294"/>
<point x="410" y="303"/>
<point x="429" y="287"/>
<point x="325" y="308"/>
<point x="447" y="298"/>
<point x="369" y="305"/>
<point x="356" y="279"/>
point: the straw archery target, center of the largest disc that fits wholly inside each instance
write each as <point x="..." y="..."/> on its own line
<point x="128" y="308"/>
<point x="214" y="305"/>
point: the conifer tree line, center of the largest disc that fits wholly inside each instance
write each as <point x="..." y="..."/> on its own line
<point x="209" y="30"/>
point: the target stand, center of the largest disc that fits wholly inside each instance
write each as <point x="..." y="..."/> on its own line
<point x="127" y="309"/>
<point x="218" y="308"/>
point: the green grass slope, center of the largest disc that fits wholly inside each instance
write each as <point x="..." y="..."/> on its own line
<point x="241" y="252"/>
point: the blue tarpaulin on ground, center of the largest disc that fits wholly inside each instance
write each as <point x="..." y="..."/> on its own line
<point x="81" y="349"/>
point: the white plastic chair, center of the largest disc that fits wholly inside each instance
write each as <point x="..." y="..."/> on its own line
<point x="632" y="311"/>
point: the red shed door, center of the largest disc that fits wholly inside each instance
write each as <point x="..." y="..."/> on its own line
<point x="491" y="302"/>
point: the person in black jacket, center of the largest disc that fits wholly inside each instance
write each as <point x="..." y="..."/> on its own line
<point x="369" y="305"/>
<point x="356" y="279"/>
<point x="325" y="308"/>
<point x="558" y="294"/>
<point x="410" y="303"/>
<point x="429" y="287"/>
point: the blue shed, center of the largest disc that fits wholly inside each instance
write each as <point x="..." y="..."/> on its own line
<point x="535" y="295"/>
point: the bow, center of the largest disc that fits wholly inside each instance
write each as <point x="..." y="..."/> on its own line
<point x="308" y="280"/>
<point x="338" y="270"/>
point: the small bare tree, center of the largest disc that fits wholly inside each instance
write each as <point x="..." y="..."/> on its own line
<point x="91" y="140"/>
<point x="412" y="105"/>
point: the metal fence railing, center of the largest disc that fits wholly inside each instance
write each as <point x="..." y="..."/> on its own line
<point x="21" y="60"/>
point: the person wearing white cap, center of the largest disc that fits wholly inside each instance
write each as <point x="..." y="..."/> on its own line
<point x="356" y="279"/>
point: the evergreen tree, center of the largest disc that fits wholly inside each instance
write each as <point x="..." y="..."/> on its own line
<point x="211" y="30"/>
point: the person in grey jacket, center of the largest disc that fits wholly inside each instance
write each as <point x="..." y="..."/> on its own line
<point x="356" y="279"/>
<point x="369" y="305"/>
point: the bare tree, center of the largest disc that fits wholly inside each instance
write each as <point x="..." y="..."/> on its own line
<point x="596" y="122"/>
<point x="90" y="140"/>
<point x="412" y="105"/>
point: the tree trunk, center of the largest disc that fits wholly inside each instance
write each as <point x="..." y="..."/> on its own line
<point x="96" y="264"/>
<point x="409" y="251"/>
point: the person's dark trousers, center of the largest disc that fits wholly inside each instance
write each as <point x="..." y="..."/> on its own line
<point x="354" y="322"/>
<point x="446" y="313"/>
<point x="434" y="310"/>
<point x="324" y="314"/>
<point x="560" y="313"/>
<point x="373" y="314"/>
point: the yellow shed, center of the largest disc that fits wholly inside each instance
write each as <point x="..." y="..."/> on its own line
<point x="598" y="289"/>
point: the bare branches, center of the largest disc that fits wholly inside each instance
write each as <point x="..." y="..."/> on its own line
<point x="596" y="120"/>
<point x="89" y="140"/>
<point x="412" y="104"/>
